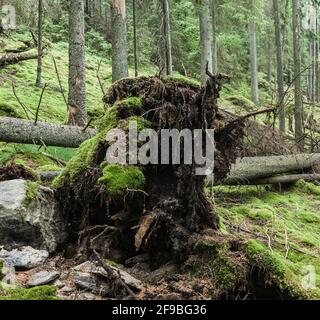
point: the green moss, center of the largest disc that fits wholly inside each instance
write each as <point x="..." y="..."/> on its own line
<point x="225" y="273"/>
<point x="9" y="110"/>
<point x="141" y="122"/>
<point x="242" y="102"/>
<point x="214" y="262"/>
<point x="276" y="267"/>
<point x="49" y="167"/>
<point x="119" y="179"/>
<point x="85" y="153"/>
<point x="289" y="216"/>
<point x="131" y="102"/>
<point x="307" y="187"/>
<point x="32" y="192"/>
<point x="182" y="79"/>
<point x="36" y="293"/>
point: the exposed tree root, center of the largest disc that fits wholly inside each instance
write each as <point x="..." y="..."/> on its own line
<point x="159" y="218"/>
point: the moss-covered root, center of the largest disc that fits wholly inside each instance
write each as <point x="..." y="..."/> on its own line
<point x="119" y="180"/>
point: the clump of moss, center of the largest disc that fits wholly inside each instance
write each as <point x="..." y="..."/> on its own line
<point x="182" y="79"/>
<point x="307" y="187"/>
<point x="49" y="167"/>
<point x="242" y="102"/>
<point x="9" y="110"/>
<point x="32" y="192"/>
<point x="131" y="102"/>
<point x="120" y="179"/>
<point x="36" y="293"/>
<point x="276" y="269"/>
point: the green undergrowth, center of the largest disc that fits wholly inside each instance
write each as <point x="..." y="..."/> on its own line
<point x="281" y="230"/>
<point x="37" y="293"/>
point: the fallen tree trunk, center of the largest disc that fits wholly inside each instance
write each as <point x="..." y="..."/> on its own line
<point x="26" y="132"/>
<point x="264" y="167"/>
<point x="277" y="180"/>
<point x="13" y="58"/>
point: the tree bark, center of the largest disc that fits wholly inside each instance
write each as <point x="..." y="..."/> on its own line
<point x="77" y="79"/>
<point x="135" y="53"/>
<point x="119" y="41"/>
<point x="26" y="132"/>
<point x="13" y="58"/>
<point x="298" y="111"/>
<point x="278" y="180"/>
<point x="277" y="22"/>
<point x="40" y="22"/>
<point x="214" y="14"/>
<point x="253" y="62"/>
<point x="205" y="39"/>
<point x="167" y="36"/>
<point x="263" y="167"/>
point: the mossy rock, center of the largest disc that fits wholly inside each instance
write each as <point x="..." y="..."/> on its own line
<point x="32" y="192"/>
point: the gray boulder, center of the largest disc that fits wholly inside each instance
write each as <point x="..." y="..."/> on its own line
<point x="29" y="215"/>
<point x="42" y="278"/>
<point x="23" y="258"/>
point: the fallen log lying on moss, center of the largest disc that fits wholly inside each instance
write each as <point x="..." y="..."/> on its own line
<point x="276" y="180"/>
<point x="43" y="133"/>
<point x="13" y="58"/>
<point x="251" y="169"/>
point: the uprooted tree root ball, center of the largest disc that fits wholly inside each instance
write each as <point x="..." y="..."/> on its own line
<point x="122" y="211"/>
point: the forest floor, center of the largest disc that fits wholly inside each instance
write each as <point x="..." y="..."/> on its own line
<point x="277" y="230"/>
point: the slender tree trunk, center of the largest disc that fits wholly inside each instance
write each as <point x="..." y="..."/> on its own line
<point x="77" y="81"/>
<point x="135" y="38"/>
<point x="205" y="38"/>
<point x="277" y="22"/>
<point x="214" y="14"/>
<point x="119" y="41"/>
<point x="40" y="22"/>
<point x="167" y="36"/>
<point x="161" y="42"/>
<point x="317" y="59"/>
<point x="253" y="62"/>
<point x="298" y="112"/>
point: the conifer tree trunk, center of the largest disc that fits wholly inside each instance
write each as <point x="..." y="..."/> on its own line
<point x="298" y="111"/>
<point x="205" y="38"/>
<point x="134" y="15"/>
<point x="253" y="62"/>
<point x="119" y="41"/>
<point x="280" y="88"/>
<point x="214" y="14"/>
<point x="40" y="22"/>
<point x="77" y="82"/>
<point x="167" y="36"/>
